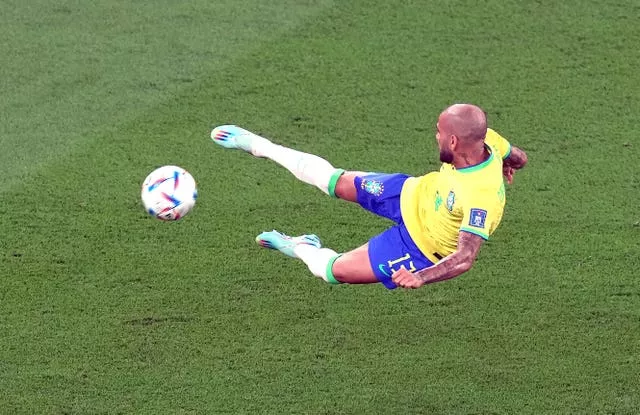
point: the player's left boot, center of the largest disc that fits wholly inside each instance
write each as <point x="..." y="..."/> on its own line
<point x="284" y="243"/>
<point x="234" y="137"/>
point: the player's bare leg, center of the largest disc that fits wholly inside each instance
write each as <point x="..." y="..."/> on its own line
<point x="345" y="187"/>
<point x="353" y="267"/>
<point x="306" y="167"/>
<point x="350" y="268"/>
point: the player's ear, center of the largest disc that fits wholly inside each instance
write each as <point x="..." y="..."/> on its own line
<point x="454" y="142"/>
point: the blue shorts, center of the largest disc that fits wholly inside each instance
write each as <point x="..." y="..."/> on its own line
<point x="392" y="249"/>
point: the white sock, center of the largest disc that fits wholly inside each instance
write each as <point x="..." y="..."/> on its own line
<point x="306" y="167"/>
<point x="317" y="259"/>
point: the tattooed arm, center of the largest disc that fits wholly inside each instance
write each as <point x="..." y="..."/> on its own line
<point x="455" y="264"/>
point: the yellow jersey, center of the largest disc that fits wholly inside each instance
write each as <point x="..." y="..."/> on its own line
<point x="437" y="206"/>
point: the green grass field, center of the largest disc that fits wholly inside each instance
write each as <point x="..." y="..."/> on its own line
<point x="105" y="310"/>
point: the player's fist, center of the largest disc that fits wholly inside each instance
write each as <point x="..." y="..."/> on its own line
<point x="508" y="172"/>
<point x="406" y="279"/>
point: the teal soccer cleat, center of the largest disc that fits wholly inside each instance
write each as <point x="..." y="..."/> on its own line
<point x="234" y="137"/>
<point x="284" y="243"/>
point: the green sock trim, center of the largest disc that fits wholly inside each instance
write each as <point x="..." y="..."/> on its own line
<point x="331" y="279"/>
<point x="333" y="181"/>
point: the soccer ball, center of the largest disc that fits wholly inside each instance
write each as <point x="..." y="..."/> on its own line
<point x="169" y="193"/>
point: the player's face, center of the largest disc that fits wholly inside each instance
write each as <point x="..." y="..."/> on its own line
<point x="444" y="145"/>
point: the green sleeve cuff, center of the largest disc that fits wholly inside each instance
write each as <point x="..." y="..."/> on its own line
<point x="506" y="156"/>
<point x="475" y="232"/>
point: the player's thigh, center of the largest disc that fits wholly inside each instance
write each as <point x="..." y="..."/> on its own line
<point x="354" y="267"/>
<point x="346" y="188"/>
<point x="378" y="259"/>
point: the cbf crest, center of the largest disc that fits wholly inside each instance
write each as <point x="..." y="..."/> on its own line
<point x="373" y="187"/>
<point x="451" y="199"/>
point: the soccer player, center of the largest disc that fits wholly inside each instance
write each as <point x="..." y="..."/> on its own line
<point x="441" y="218"/>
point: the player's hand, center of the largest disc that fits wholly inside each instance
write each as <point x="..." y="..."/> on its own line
<point x="406" y="279"/>
<point x="508" y="172"/>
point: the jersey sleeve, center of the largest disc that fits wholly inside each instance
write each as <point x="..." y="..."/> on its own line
<point x="479" y="214"/>
<point x="498" y="142"/>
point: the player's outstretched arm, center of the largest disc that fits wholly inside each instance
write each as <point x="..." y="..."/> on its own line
<point x="452" y="266"/>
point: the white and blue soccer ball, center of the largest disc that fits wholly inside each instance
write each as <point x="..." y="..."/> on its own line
<point x="169" y="193"/>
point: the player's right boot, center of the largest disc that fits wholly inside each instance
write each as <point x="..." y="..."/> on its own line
<point x="234" y="137"/>
<point x="284" y="243"/>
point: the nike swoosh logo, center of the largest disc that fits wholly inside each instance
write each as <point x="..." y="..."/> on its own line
<point x="381" y="268"/>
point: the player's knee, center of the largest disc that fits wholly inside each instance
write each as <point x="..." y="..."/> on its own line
<point x="346" y="188"/>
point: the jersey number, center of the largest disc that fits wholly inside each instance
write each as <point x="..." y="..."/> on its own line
<point x="403" y="263"/>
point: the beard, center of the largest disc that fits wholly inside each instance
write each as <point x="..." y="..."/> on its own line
<point x="446" y="155"/>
